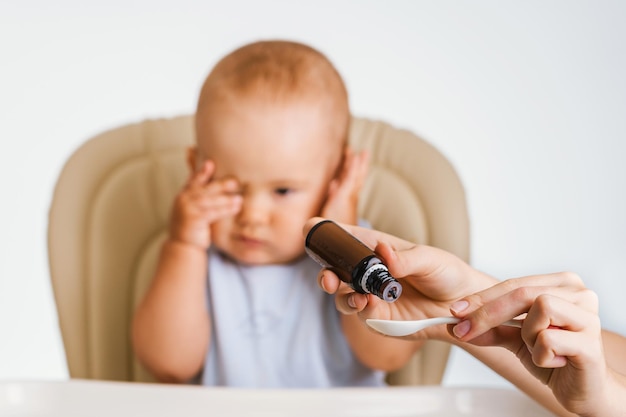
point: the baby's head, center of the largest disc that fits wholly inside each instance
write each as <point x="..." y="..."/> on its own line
<point x="273" y="115"/>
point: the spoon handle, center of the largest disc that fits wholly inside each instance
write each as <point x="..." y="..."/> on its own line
<point x="513" y="323"/>
<point x="407" y="327"/>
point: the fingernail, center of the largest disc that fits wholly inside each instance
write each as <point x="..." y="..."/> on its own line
<point x="462" y="328"/>
<point x="322" y="286"/>
<point x="351" y="302"/>
<point x="459" y="306"/>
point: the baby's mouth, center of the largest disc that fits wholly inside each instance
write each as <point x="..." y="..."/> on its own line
<point x="249" y="240"/>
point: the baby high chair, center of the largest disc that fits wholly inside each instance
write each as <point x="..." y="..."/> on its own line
<point x="111" y="204"/>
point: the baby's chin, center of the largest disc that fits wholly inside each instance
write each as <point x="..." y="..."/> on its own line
<point x="261" y="259"/>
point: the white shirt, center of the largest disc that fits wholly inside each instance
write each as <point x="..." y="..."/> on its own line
<point x="272" y="327"/>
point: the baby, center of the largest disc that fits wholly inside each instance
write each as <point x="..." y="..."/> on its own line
<point x="235" y="301"/>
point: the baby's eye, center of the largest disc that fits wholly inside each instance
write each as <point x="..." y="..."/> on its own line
<point x="282" y="191"/>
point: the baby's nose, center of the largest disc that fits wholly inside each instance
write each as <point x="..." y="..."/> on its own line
<point x="256" y="209"/>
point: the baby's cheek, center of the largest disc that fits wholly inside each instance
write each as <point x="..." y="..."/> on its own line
<point x="317" y="201"/>
<point x="303" y="204"/>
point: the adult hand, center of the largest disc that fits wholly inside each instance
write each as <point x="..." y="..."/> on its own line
<point x="560" y="341"/>
<point x="431" y="279"/>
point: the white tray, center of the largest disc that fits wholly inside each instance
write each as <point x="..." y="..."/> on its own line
<point x="115" y="399"/>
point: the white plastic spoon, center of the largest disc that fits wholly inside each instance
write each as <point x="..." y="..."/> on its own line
<point x="407" y="327"/>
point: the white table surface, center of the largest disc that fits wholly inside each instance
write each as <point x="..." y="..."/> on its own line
<point x="96" y="398"/>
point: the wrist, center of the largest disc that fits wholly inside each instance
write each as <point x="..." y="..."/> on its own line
<point x="182" y="244"/>
<point x="614" y="391"/>
<point x="197" y="236"/>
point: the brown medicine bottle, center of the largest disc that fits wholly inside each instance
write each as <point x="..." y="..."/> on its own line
<point x="354" y="263"/>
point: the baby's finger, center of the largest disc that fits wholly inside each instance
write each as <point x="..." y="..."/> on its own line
<point x="362" y="167"/>
<point x="228" y="186"/>
<point x="204" y="200"/>
<point x="201" y="204"/>
<point x="354" y="171"/>
<point x="202" y="175"/>
<point x="218" y="212"/>
<point x="348" y="167"/>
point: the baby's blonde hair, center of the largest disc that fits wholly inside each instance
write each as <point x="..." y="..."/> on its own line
<point x="278" y="71"/>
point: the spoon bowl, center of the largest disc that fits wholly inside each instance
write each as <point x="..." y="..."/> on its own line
<point x="399" y="328"/>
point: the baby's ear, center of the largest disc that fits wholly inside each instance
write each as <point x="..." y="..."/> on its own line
<point x="192" y="158"/>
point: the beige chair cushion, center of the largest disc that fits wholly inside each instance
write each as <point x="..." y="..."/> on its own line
<point x="111" y="206"/>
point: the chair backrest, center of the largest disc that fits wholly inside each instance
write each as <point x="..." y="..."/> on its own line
<point x="111" y="205"/>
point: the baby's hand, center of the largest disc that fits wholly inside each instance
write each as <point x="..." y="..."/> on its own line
<point x="201" y="202"/>
<point x="343" y="191"/>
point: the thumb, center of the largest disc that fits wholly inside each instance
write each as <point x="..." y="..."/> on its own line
<point x="416" y="260"/>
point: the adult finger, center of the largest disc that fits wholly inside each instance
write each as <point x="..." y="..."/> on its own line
<point x="436" y="273"/>
<point x="347" y="301"/>
<point x="417" y="260"/>
<point x="555" y="347"/>
<point x="550" y="311"/>
<point x="328" y="281"/>
<point x="506" y="307"/>
<point x="561" y="279"/>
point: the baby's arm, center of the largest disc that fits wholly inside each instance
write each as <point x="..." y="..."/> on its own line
<point x="375" y="350"/>
<point x="171" y="326"/>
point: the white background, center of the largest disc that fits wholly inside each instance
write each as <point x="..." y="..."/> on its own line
<point x="527" y="99"/>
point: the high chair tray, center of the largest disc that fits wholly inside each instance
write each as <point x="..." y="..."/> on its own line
<point x="82" y="398"/>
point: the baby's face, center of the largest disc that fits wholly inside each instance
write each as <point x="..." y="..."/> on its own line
<point x="283" y="158"/>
